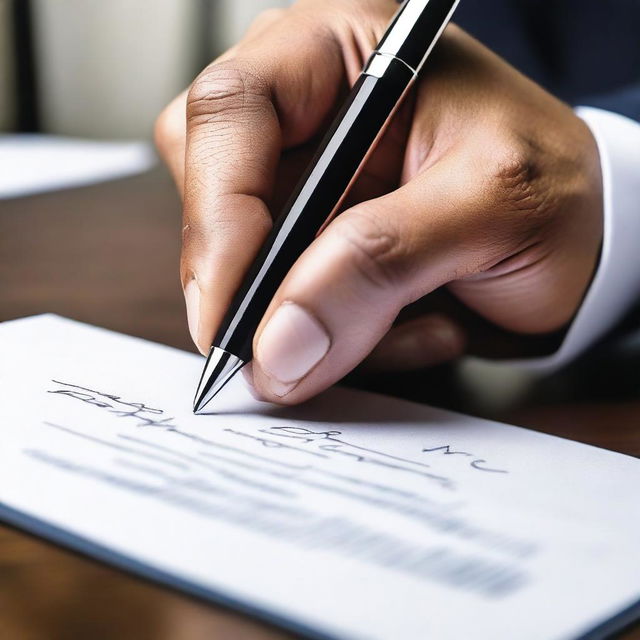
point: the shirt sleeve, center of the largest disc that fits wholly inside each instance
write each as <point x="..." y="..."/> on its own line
<point x="625" y="101"/>
<point x="616" y="284"/>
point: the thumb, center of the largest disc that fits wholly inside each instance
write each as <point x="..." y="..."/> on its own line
<point x="343" y="294"/>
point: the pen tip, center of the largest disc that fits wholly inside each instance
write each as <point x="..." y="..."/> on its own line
<point x="197" y="407"/>
<point x="200" y="402"/>
<point x="220" y="367"/>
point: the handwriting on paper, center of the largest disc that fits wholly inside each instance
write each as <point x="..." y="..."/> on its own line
<point x="329" y="441"/>
<point x="475" y="462"/>
<point x="263" y="477"/>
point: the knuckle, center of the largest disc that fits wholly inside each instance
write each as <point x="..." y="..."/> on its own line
<point x="517" y="179"/>
<point x="514" y="164"/>
<point x="374" y="248"/>
<point x="226" y="90"/>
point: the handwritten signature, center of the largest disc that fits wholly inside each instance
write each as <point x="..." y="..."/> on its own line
<point x="476" y="463"/>
<point x="326" y="443"/>
<point x="115" y="405"/>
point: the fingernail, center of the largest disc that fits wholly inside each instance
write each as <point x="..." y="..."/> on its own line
<point x="434" y="342"/>
<point x="445" y="339"/>
<point x="291" y="345"/>
<point x="192" y="299"/>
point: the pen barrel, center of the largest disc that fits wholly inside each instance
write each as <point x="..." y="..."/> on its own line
<point x="343" y="150"/>
<point x="416" y="22"/>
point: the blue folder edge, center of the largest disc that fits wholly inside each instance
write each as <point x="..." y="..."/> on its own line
<point x="95" y="551"/>
<point x="51" y="533"/>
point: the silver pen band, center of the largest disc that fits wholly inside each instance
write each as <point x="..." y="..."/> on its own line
<point x="379" y="63"/>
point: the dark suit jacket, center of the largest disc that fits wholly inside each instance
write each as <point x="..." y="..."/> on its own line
<point x="586" y="52"/>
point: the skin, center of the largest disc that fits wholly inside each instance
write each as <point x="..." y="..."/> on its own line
<point x="484" y="184"/>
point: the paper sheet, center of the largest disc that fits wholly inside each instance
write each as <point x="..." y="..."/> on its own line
<point x="36" y="163"/>
<point x="355" y="516"/>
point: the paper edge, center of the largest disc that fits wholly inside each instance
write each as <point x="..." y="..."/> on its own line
<point x="94" y="551"/>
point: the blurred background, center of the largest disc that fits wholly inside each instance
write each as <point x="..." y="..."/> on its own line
<point x="62" y="61"/>
<point x="82" y="81"/>
<point x="81" y="84"/>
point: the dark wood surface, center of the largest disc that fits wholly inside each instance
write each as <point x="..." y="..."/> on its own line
<point x="108" y="255"/>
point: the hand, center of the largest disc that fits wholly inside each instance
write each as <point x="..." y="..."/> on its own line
<point x="484" y="183"/>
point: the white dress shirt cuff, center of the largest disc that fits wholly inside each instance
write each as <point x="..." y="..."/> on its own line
<point x="616" y="284"/>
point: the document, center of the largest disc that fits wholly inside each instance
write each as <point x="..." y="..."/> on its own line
<point x="33" y="163"/>
<point x="353" y="516"/>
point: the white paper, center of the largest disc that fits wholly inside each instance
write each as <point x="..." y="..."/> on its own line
<point x="355" y="516"/>
<point x="36" y="163"/>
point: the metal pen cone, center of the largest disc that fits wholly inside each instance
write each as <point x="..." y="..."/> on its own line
<point x="220" y="367"/>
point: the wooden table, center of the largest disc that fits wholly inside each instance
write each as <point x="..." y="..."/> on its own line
<point x="108" y="255"/>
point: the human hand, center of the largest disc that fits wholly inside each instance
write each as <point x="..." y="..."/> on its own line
<point x="484" y="183"/>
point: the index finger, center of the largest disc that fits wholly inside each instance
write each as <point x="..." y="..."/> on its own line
<point x="232" y="146"/>
<point x="271" y="91"/>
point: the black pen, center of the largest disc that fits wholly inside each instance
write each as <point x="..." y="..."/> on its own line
<point x="385" y="79"/>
